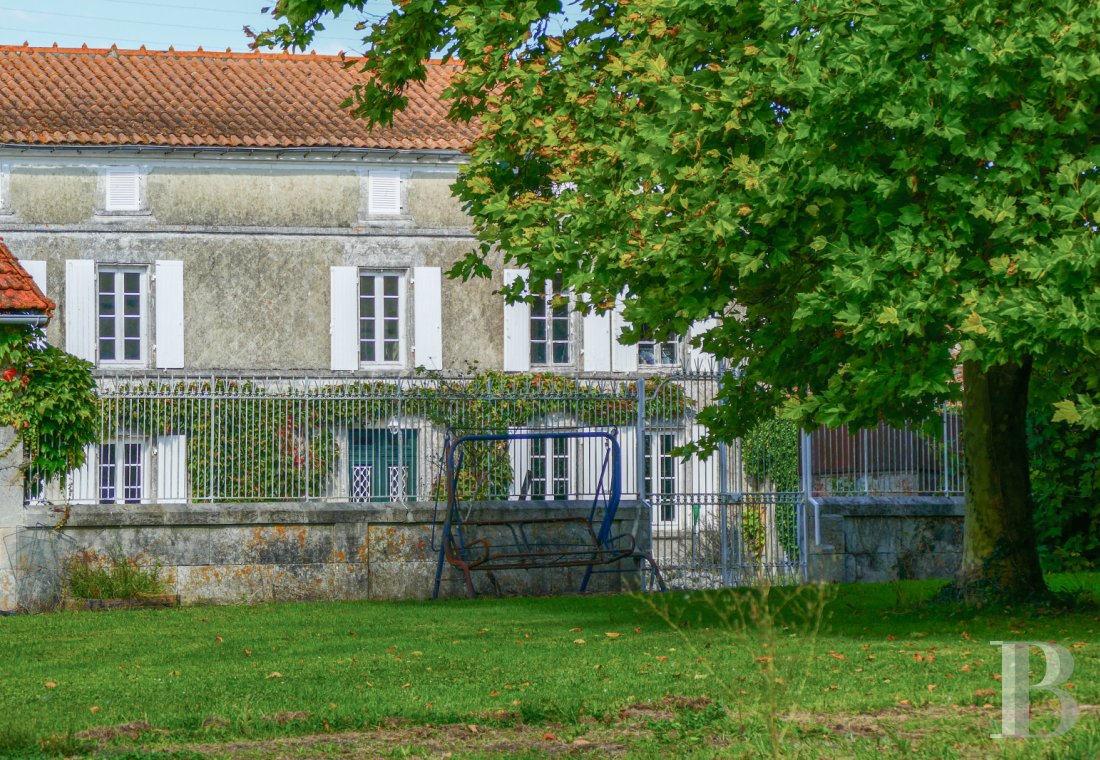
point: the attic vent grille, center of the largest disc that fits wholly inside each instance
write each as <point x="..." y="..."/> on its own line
<point x="122" y="190"/>
<point x="384" y="192"/>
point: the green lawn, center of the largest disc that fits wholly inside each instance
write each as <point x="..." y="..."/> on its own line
<point x="855" y="671"/>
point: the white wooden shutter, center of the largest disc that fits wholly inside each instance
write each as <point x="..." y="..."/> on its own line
<point x="122" y="189"/>
<point x="80" y="309"/>
<point x="171" y="469"/>
<point x="37" y="271"/>
<point x="344" y="324"/>
<point x="628" y="445"/>
<point x="384" y="191"/>
<point x="83" y="482"/>
<point x="704" y="473"/>
<point x="519" y="454"/>
<point x="623" y="358"/>
<point x="597" y="341"/>
<point x="169" y="314"/>
<point x="428" y="317"/>
<point x="698" y="359"/>
<point x="517" y="329"/>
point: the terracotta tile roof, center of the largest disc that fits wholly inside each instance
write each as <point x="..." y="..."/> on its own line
<point x="17" y="290"/>
<point x="67" y="96"/>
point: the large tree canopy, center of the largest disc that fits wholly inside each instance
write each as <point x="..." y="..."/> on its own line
<point x="867" y="194"/>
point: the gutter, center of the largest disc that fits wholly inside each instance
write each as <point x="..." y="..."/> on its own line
<point x="24" y="319"/>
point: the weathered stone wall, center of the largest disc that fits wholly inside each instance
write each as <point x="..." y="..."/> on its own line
<point x="228" y="553"/>
<point x="886" y="538"/>
<point x="257" y="239"/>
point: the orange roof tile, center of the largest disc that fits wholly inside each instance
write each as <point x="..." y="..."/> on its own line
<point x="69" y="96"/>
<point x="18" y="292"/>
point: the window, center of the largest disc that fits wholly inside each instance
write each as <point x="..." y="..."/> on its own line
<point x="383" y="465"/>
<point x="549" y="469"/>
<point x="122" y="191"/>
<point x="121" y="314"/>
<point x="655" y="353"/>
<point x="383" y="192"/>
<point x="122" y="472"/>
<point x="381" y="317"/>
<point x="550" y="333"/>
<point x="660" y="475"/>
<point x="5" y="190"/>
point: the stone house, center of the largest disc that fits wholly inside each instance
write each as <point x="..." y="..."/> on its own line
<point x="218" y="214"/>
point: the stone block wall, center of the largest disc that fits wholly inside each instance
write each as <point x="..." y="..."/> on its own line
<point x="885" y="538"/>
<point x="248" y="553"/>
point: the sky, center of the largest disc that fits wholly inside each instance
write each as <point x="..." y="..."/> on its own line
<point x="210" y="24"/>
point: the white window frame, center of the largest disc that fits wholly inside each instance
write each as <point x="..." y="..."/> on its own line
<point x="122" y="449"/>
<point x="544" y="300"/>
<point x="119" y="273"/>
<point x="655" y="347"/>
<point x="554" y="451"/>
<point x="113" y="206"/>
<point x="657" y="444"/>
<point x="376" y="193"/>
<point x="5" y="190"/>
<point x="379" y="318"/>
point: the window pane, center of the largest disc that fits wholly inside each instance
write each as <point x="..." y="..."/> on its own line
<point x="392" y="329"/>
<point x="561" y="329"/>
<point x="538" y="353"/>
<point x="645" y="354"/>
<point x="668" y="353"/>
<point x="131" y="282"/>
<point x="366" y="285"/>
<point x="392" y="353"/>
<point x="561" y="353"/>
<point x="106" y="304"/>
<point x="131" y="327"/>
<point x="390" y="308"/>
<point x="132" y="350"/>
<point x="131" y="305"/>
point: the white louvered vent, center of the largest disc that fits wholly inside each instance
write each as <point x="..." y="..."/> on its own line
<point x="384" y="192"/>
<point x="122" y="191"/>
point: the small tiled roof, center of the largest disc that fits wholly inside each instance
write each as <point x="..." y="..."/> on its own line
<point x="67" y="96"/>
<point x="18" y="291"/>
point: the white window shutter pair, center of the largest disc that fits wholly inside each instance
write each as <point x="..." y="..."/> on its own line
<point x="517" y="328"/>
<point x="603" y="352"/>
<point x="81" y="313"/>
<point x="427" y="318"/>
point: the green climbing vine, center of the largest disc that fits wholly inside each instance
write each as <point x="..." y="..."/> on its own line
<point x="250" y="443"/>
<point x="770" y="459"/>
<point x="48" y="397"/>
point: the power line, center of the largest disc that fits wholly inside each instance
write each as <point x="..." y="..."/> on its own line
<point x="84" y="37"/>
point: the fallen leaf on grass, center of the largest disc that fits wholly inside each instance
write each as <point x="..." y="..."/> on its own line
<point x="837" y="656"/>
<point x="904" y="702"/>
<point x="578" y="641"/>
<point x="576" y="630"/>
<point x="94" y="708"/>
<point x="549" y="736"/>
<point x="405" y="685"/>
<point x="218" y="639"/>
<point x="931" y="687"/>
<point x="494" y="693"/>
<point x="51" y="684"/>
<point x="275" y="674"/>
<point x="612" y="635"/>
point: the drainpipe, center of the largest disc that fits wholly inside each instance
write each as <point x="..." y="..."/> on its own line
<point x="808" y="485"/>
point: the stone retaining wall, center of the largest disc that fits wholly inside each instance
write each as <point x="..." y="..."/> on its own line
<point x="885" y="538"/>
<point x="226" y="553"/>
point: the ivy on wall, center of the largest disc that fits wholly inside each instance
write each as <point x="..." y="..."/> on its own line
<point x="48" y="397"/>
<point x="769" y="455"/>
<point x="248" y="443"/>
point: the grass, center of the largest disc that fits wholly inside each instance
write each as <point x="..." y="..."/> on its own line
<point x="91" y="576"/>
<point x="855" y="671"/>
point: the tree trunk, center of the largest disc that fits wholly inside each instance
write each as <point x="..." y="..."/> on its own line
<point x="1000" y="556"/>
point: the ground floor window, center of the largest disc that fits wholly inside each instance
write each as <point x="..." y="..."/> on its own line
<point x="660" y="475"/>
<point x="549" y="468"/>
<point x="121" y="472"/>
<point x="383" y="465"/>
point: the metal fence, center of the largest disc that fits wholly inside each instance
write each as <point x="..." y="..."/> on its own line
<point x="736" y="517"/>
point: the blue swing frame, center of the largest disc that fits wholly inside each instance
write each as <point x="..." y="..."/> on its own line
<point x="524" y="552"/>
